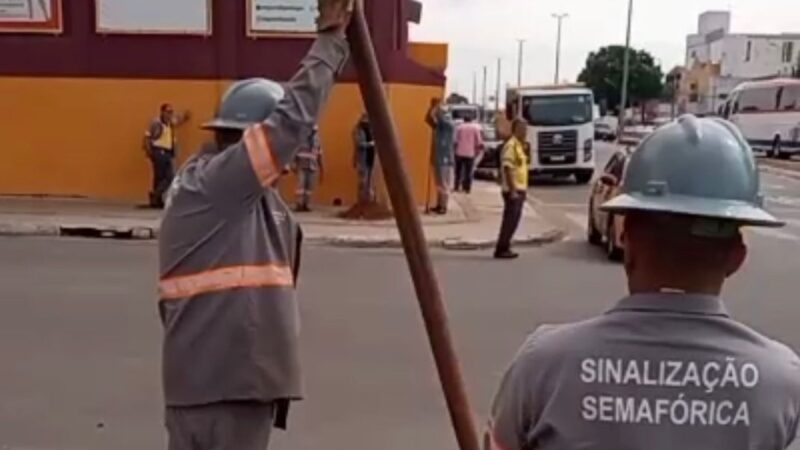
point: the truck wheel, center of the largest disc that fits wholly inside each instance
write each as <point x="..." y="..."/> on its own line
<point x="777" y="149"/>
<point x="584" y="177"/>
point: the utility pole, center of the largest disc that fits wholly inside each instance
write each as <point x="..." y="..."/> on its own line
<point x="474" y="88"/>
<point x="483" y="102"/>
<point x="560" y="18"/>
<point x="499" y="74"/>
<point x="520" y="60"/>
<point x="626" y="70"/>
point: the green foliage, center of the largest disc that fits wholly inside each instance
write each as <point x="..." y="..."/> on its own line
<point x="603" y="74"/>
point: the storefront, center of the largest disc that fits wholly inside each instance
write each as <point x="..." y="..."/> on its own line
<point x="81" y="79"/>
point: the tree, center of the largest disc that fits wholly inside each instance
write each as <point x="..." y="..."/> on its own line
<point x="457" y="99"/>
<point x="603" y="74"/>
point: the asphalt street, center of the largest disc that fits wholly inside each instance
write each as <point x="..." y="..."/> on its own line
<point x="80" y="336"/>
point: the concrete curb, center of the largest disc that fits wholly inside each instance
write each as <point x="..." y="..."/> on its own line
<point x="454" y="243"/>
<point x="23" y="229"/>
<point x="546" y="237"/>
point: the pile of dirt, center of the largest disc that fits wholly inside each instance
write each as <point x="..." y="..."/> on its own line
<point x="367" y="211"/>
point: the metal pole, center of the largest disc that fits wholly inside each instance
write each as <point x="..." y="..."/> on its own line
<point x="560" y="18"/>
<point x="497" y="94"/>
<point x="483" y="102"/>
<point x="520" y="61"/>
<point x="626" y="67"/>
<point x="410" y="226"/>
<point x="474" y="88"/>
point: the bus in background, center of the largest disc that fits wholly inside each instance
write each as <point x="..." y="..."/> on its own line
<point x="560" y="128"/>
<point x="768" y="115"/>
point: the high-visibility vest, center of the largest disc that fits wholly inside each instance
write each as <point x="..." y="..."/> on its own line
<point x="167" y="138"/>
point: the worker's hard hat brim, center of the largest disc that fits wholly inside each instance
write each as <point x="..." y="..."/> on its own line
<point x="739" y="212"/>
<point x="222" y="124"/>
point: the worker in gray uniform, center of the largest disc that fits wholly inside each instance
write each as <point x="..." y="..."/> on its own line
<point x="667" y="367"/>
<point x="229" y="258"/>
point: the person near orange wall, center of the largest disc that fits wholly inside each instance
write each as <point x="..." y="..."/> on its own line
<point x="161" y="145"/>
<point x="441" y="123"/>
<point x="309" y="169"/>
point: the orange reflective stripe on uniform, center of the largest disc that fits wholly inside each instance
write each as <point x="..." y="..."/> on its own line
<point x="269" y="275"/>
<point x="260" y="153"/>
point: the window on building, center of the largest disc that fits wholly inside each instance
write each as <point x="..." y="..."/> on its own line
<point x="749" y="52"/>
<point x="790" y="100"/>
<point x="755" y="100"/>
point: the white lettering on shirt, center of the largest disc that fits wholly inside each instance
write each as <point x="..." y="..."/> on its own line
<point x="693" y="382"/>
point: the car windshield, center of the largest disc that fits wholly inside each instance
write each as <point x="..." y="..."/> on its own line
<point x="489" y="134"/>
<point x="556" y="110"/>
<point x="463" y="113"/>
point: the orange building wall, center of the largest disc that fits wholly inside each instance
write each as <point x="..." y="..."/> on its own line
<point x="87" y="141"/>
<point x="428" y="54"/>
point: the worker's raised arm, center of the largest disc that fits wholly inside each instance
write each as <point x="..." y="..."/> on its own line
<point x="293" y="121"/>
<point x="272" y="134"/>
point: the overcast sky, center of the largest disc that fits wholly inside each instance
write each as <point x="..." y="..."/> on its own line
<point x="480" y="31"/>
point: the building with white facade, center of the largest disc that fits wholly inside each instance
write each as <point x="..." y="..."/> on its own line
<point x="717" y="60"/>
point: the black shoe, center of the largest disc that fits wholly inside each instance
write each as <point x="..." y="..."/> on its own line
<point x="505" y="254"/>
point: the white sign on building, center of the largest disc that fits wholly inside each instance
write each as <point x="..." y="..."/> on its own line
<point x="154" y="16"/>
<point x="282" y="17"/>
<point x="30" y="15"/>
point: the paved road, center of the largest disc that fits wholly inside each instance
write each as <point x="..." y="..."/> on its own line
<point x="79" y="333"/>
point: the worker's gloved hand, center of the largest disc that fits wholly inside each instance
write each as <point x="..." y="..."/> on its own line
<point x="334" y="15"/>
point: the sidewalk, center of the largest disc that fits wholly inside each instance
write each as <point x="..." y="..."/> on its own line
<point x="471" y="224"/>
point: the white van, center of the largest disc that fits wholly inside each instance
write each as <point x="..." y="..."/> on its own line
<point x="768" y="115"/>
<point x="560" y="128"/>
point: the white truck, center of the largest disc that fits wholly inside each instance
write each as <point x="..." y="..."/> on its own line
<point x="560" y="128"/>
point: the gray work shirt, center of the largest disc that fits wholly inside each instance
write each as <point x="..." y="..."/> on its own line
<point x="229" y="253"/>
<point x="658" y="371"/>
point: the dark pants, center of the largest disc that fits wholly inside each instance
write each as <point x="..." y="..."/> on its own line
<point x="512" y="213"/>
<point x="163" y="173"/>
<point x="464" y="170"/>
<point x="221" y="426"/>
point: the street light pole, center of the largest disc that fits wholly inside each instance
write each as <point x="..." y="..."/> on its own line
<point x="520" y="59"/>
<point x="497" y="97"/>
<point x="474" y="87"/>
<point x="626" y="70"/>
<point x="483" y="101"/>
<point x="560" y="18"/>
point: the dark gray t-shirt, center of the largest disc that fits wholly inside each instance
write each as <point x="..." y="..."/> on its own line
<point x="659" y="371"/>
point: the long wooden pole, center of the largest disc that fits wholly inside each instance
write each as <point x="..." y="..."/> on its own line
<point x="410" y="226"/>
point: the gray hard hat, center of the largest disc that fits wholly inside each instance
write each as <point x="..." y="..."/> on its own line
<point x="246" y="102"/>
<point x="695" y="167"/>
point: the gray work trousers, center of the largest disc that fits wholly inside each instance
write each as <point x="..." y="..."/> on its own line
<point x="221" y="426"/>
<point x="366" y="188"/>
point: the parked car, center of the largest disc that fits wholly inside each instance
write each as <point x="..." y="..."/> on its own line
<point x="489" y="162"/>
<point x="606" y="229"/>
<point x="604" y="132"/>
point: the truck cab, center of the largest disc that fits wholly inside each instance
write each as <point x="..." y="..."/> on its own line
<point x="560" y="129"/>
